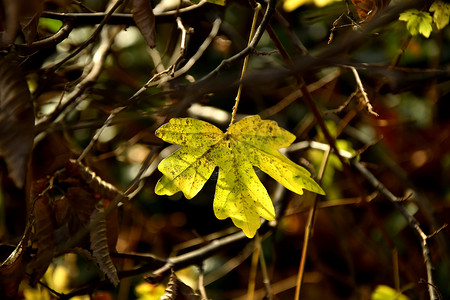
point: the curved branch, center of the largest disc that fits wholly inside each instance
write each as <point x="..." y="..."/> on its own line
<point x="412" y="221"/>
<point x="197" y="89"/>
<point x="80" y="19"/>
<point x="55" y="39"/>
<point x="227" y="63"/>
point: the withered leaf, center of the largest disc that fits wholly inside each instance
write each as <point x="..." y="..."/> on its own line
<point x="178" y="290"/>
<point x="12" y="269"/>
<point x="16" y="120"/>
<point x="44" y="230"/>
<point x="145" y="20"/>
<point x="99" y="243"/>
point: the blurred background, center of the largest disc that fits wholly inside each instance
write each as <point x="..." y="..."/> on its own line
<point x="357" y="245"/>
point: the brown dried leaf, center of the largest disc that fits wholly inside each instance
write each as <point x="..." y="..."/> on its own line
<point x="82" y="204"/>
<point x="16" y="121"/>
<point x="366" y="9"/>
<point x="178" y="290"/>
<point x="12" y="269"/>
<point x="50" y="154"/>
<point x="44" y="231"/>
<point x="81" y="189"/>
<point x="145" y="20"/>
<point x="96" y="184"/>
<point x="99" y="243"/>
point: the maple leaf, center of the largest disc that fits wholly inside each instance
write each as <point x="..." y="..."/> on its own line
<point x="417" y="22"/>
<point x="441" y="13"/>
<point x="239" y="194"/>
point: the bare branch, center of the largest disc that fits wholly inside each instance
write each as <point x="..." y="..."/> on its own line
<point x="369" y="106"/>
<point x="413" y="223"/>
<point x="81" y="19"/>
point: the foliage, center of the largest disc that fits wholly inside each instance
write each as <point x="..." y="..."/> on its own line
<point x="16" y="121"/>
<point x="276" y="98"/>
<point x="384" y="292"/>
<point x="441" y="13"/>
<point x="417" y="22"/>
<point x="290" y="5"/>
<point x="239" y="193"/>
<point x="420" y="22"/>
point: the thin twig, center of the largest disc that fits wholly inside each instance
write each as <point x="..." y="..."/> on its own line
<point x="201" y="283"/>
<point x="369" y="106"/>
<point x="196" y="256"/>
<point x="90" y="18"/>
<point x="227" y="63"/>
<point x="253" y="269"/>
<point x="75" y="96"/>
<point x="309" y="228"/>
<point x="183" y="45"/>
<point x="187" y="66"/>
<point x="153" y="81"/>
<point x="401" y="51"/>
<point x="413" y="223"/>
<point x="296" y="94"/>
<point x="133" y="185"/>
<point x="230" y="265"/>
<point x="265" y="274"/>
<point x="244" y="66"/>
<point x="53" y="40"/>
<point x="287" y="25"/>
<point x="90" y="40"/>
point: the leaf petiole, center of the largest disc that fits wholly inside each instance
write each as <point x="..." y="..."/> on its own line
<point x="244" y="66"/>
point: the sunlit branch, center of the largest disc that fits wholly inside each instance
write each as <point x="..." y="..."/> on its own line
<point x="90" y="40"/>
<point x="367" y="103"/>
<point x="187" y="66"/>
<point x="227" y="63"/>
<point x="90" y="78"/>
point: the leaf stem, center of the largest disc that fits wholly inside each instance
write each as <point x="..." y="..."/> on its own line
<point x="244" y="66"/>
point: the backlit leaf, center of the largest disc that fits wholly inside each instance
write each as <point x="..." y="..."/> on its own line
<point x="384" y="292"/>
<point x="249" y="143"/>
<point x="441" y="13"/>
<point x="291" y="5"/>
<point x="417" y="22"/>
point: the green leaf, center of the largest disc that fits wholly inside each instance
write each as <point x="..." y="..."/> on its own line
<point x="441" y="14"/>
<point x="384" y="292"/>
<point x="417" y="22"/>
<point x="51" y="24"/>
<point x="249" y="143"/>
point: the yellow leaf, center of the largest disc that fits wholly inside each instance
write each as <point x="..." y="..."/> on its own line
<point x="441" y="13"/>
<point x="249" y="143"/>
<point x="384" y="292"/>
<point x="290" y="5"/>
